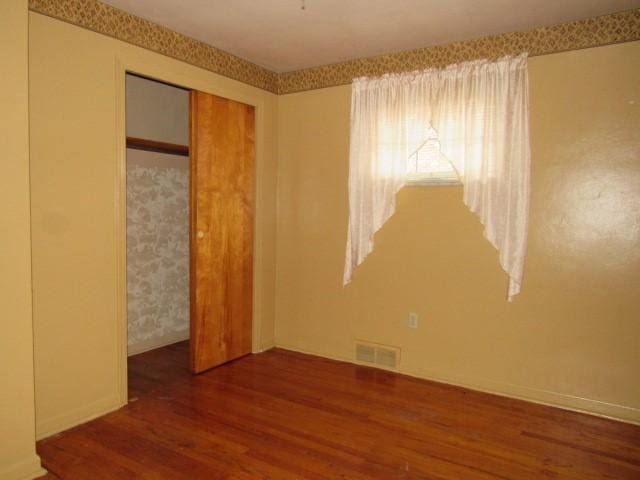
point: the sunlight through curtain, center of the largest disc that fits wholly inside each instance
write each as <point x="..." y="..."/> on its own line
<point x="478" y="114"/>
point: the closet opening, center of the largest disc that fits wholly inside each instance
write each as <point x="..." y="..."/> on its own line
<point x="157" y="199"/>
<point x="190" y="177"/>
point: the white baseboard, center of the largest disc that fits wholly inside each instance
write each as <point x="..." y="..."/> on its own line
<point x="25" y="469"/>
<point x="157" y="342"/>
<point x="572" y="403"/>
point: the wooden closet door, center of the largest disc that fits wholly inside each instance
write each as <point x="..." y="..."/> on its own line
<point x="222" y="203"/>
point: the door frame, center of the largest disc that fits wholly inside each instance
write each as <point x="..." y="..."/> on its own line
<point x="156" y="72"/>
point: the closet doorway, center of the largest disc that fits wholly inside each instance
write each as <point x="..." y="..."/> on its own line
<point x="190" y="202"/>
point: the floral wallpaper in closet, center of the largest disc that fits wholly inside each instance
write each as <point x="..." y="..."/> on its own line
<point x="157" y="251"/>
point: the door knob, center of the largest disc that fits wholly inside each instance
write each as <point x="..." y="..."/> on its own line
<point x="200" y="234"/>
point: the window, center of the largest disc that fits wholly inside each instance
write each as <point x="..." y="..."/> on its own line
<point x="466" y="122"/>
<point x="428" y="166"/>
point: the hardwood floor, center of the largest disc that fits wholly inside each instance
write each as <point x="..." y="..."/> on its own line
<point x="283" y="415"/>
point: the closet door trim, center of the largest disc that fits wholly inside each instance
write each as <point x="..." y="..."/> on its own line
<point x="185" y="78"/>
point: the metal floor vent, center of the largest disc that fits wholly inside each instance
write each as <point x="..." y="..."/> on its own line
<point x="383" y="356"/>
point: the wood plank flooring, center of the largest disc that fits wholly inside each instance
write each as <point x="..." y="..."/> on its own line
<point x="284" y="415"/>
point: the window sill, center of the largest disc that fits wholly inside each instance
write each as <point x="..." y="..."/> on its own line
<point x="433" y="182"/>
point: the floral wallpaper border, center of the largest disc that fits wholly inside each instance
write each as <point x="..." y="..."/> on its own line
<point x="93" y="15"/>
<point x="108" y="20"/>
<point x="604" y="30"/>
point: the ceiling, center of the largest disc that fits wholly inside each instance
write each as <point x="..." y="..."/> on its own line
<point x="282" y="36"/>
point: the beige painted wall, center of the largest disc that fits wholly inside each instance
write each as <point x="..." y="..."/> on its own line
<point x="77" y="148"/>
<point x="571" y="338"/>
<point x="18" y="459"/>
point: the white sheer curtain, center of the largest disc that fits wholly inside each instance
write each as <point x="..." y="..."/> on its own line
<point x="480" y="113"/>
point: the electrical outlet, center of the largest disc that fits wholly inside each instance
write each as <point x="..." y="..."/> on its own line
<point x="413" y="320"/>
